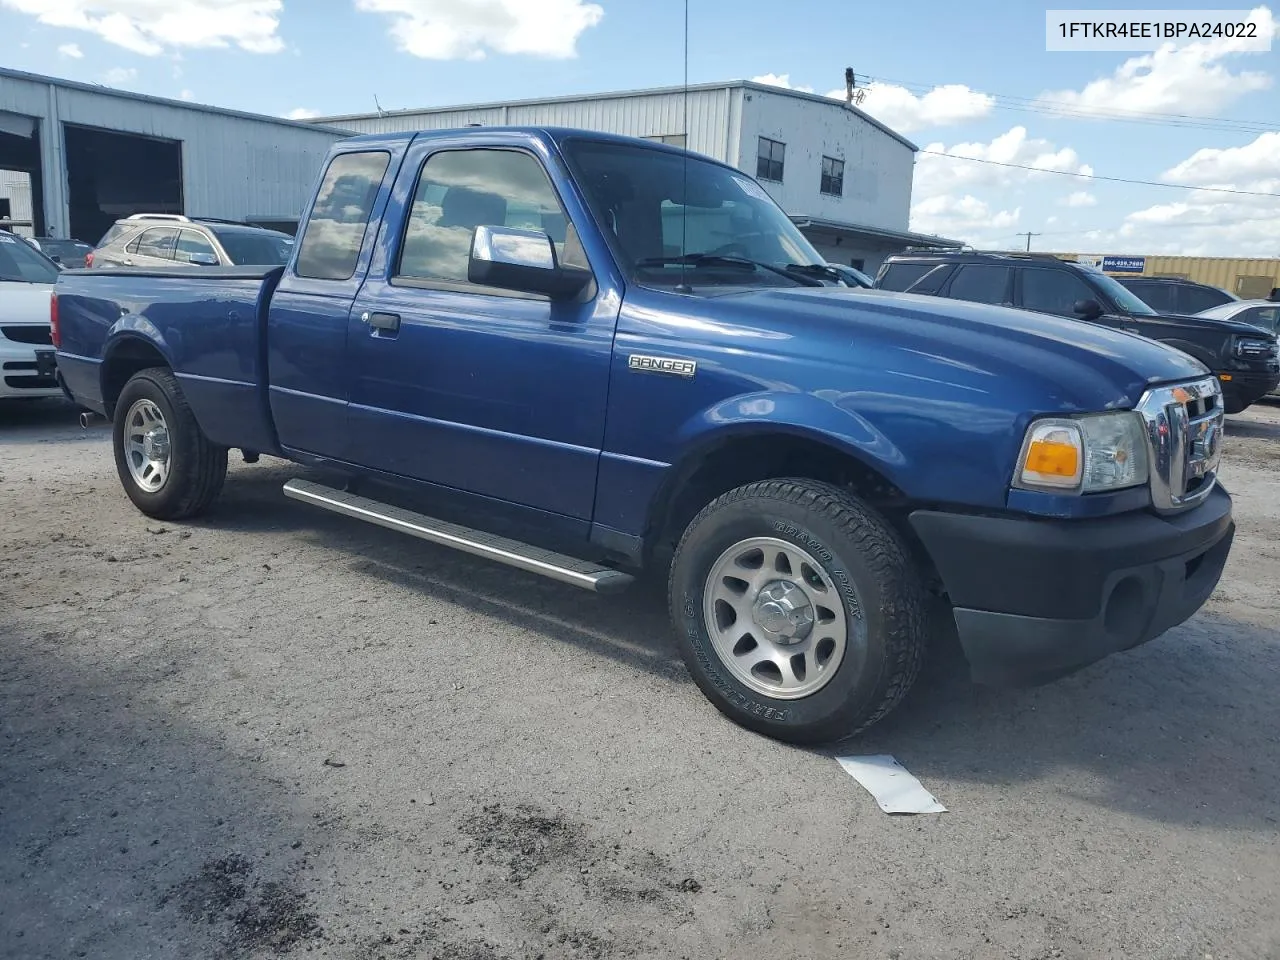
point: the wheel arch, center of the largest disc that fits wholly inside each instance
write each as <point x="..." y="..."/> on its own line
<point x="747" y="453"/>
<point x="126" y="353"/>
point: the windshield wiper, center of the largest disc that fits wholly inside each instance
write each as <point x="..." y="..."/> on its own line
<point x="716" y="260"/>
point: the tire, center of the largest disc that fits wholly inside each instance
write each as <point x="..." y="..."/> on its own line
<point x="195" y="467"/>
<point x="861" y="566"/>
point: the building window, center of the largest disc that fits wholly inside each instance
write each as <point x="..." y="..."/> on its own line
<point x="671" y="139"/>
<point x="833" y="176"/>
<point x="769" y="159"/>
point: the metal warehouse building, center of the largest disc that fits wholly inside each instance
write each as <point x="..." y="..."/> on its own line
<point x="842" y="176"/>
<point x="88" y="155"/>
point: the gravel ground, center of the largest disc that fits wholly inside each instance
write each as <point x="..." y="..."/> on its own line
<point x="276" y="732"/>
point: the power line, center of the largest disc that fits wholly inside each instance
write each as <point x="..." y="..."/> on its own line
<point x="1098" y="176"/>
<point x="1028" y="234"/>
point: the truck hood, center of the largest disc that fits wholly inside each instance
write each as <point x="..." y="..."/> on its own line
<point x="1070" y="363"/>
<point x="24" y="302"/>
<point x="1174" y="320"/>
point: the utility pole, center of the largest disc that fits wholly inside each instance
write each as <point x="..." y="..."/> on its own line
<point x="1028" y="235"/>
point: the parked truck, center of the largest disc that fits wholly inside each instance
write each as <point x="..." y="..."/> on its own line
<point x="587" y="356"/>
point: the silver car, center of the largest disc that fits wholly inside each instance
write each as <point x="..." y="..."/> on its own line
<point x="1260" y="313"/>
<point x="170" y="239"/>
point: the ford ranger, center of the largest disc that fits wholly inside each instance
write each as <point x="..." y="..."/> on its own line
<point x="605" y="355"/>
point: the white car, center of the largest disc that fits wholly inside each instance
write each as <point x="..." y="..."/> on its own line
<point x="27" y="363"/>
<point x="1260" y="313"/>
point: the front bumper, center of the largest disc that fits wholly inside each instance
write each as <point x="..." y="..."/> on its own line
<point x="1037" y="599"/>
<point x="1247" y="388"/>
<point x="25" y="374"/>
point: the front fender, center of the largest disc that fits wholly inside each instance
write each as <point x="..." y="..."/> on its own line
<point x="825" y="417"/>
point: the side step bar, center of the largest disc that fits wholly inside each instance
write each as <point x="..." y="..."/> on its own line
<point x="577" y="573"/>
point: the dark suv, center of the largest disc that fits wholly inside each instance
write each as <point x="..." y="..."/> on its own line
<point x="1175" y="295"/>
<point x="1243" y="357"/>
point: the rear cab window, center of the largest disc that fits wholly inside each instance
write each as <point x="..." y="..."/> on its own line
<point x="335" y="230"/>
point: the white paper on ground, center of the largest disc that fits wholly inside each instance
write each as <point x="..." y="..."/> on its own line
<point x="896" y="790"/>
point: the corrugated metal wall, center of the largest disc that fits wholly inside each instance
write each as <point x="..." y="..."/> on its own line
<point x="16" y="188"/>
<point x="641" y="115"/>
<point x="233" y="166"/>
<point x="1241" y="276"/>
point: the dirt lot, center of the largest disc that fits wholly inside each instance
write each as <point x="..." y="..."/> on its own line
<point x="276" y="732"/>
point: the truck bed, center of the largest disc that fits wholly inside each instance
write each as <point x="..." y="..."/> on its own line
<point x="206" y="323"/>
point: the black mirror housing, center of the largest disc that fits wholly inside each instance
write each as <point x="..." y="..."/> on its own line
<point x="1087" y="309"/>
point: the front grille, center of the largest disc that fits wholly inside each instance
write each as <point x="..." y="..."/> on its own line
<point x="1184" y="440"/>
<point x="39" y="334"/>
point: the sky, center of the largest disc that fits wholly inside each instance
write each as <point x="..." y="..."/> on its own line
<point x="961" y="80"/>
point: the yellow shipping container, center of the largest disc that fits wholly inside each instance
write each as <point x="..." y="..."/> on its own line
<point x="1248" y="279"/>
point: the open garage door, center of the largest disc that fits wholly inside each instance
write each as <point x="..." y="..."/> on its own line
<point x="112" y="175"/>
<point x="21" y="197"/>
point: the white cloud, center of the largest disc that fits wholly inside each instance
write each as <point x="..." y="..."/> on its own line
<point x="904" y="111"/>
<point x="978" y="202"/>
<point x="899" y="108"/>
<point x="1080" y="198"/>
<point x="151" y="27"/>
<point x="469" y="29"/>
<point x="302" y="113"/>
<point x="186" y="95"/>
<point x="781" y="80"/>
<point x="1209" y="223"/>
<point x="120" y="76"/>
<point x="936" y="175"/>
<point x="1256" y="161"/>
<point x="71" y="50"/>
<point x="1187" y="79"/>
<point x="962" y="218"/>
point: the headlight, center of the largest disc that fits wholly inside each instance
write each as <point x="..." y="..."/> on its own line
<point x="1089" y="454"/>
<point x="1253" y="348"/>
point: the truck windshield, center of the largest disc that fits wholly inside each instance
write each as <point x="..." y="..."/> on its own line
<point x="673" y="219"/>
<point x="21" y="263"/>
<point x="1123" y="297"/>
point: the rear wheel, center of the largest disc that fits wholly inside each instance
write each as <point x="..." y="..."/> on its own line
<point x="799" y="611"/>
<point x="168" y="467"/>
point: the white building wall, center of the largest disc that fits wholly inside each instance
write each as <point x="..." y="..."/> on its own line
<point x="877" y="167"/>
<point x="711" y="115"/>
<point x="233" y="165"/>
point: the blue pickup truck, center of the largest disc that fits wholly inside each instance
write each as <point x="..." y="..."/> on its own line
<point x="601" y="355"/>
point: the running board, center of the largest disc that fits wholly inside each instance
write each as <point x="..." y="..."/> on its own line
<point x="578" y="573"/>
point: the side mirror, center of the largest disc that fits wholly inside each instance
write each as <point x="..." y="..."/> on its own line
<point x="1087" y="309"/>
<point x="203" y="260"/>
<point x="523" y="260"/>
<point x="56" y="259"/>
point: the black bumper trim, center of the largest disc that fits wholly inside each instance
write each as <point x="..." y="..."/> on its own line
<point x="1034" y="599"/>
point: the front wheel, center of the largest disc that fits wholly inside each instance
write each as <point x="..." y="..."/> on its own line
<point x="169" y="468"/>
<point x="799" y="612"/>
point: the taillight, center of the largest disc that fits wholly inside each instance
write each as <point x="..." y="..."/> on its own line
<point x="88" y="260"/>
<point x="54" y="333"/>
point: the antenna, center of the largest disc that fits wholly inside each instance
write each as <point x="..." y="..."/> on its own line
<point x="684" y="198"/>
<point x="381" y="112"/>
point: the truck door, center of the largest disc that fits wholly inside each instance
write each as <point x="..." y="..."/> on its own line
<point x="309" y="377"/>
<point x="489" y="391"/>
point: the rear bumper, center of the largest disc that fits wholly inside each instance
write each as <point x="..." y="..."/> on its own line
<point x="1036" y="599"/>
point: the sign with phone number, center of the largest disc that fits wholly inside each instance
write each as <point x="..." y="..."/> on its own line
<point x="1124" y="264"/>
